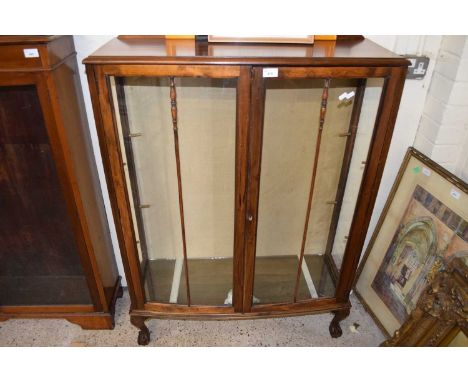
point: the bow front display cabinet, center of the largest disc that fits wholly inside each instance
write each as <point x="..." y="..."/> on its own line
<point x="242" y="177"/>
<point x="56" y="255"/>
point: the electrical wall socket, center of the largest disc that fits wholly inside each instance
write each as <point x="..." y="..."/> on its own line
<point x="418" y="68"/>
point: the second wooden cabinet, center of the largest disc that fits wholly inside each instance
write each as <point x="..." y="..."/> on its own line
<point x="242" y="178"/>
<point x="56" y="255"/>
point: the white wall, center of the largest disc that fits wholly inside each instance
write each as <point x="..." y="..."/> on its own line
<point x="85" y="45"/>
<point x="409" y="114"/>
<point x="443" y="132"/>
<point x="412" y="104"/>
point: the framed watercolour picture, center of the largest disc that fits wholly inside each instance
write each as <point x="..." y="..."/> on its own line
<point x="423" y="226"/>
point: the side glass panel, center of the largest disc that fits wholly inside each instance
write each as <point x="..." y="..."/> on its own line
<point x="370" y="105"/>
<point x="39" y="258"/>
<point x="293" y="150"/>
<point x="203" y="144"/>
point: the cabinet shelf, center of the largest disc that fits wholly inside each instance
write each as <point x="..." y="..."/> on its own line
<point x="211" y="280"/>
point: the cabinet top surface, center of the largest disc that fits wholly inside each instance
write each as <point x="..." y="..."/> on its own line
<point x="159" y="50"/>
<point x="26" y="39"/>
<point x="34" y="53"/>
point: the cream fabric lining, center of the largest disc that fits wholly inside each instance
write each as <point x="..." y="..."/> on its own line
<point x="289" y="139"/>
<point x="207" y="117"/>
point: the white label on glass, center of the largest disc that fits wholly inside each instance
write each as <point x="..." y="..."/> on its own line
<point x="346" y="95"/>
<point x="455" y="193"/>
<point x="31" y="53"/>
<point x="426" y="171"/>
<point x="270" y="72"/>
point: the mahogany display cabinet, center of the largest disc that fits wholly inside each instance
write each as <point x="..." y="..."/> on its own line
<point x="56" y="255"/>
<point x="242" y="177"/>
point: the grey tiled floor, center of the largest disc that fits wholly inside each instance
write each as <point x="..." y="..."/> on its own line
<point x="291" y="331"/>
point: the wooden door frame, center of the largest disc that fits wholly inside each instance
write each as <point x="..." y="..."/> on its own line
<point x="249" y="137"/>
<point x="104" y="112"/>
<point x="43" y="81"/>
<point x="384" y="124"/>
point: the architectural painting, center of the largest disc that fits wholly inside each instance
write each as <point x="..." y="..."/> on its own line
<point x="429" y="234"/>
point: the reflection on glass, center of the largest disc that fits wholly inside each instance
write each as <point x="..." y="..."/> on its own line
<point x="206" y="124"/>
<point x="39" y="256"/>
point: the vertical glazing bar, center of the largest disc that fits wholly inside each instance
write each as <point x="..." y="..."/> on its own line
<point x="173" y="96"/>
<point x="323" y="111"/>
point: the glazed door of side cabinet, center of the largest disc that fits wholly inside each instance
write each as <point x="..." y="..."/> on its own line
<point x="310" y="134"/>
<point x="182" y="133"/>
<point x="39" y="254"/>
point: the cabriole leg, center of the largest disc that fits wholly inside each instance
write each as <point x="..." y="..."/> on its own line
<point x="335" y="328"/>
<point x="120" y="292"/>
<point x="144" y="334"/>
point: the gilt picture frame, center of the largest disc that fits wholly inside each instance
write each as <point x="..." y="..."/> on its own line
<point x="441" y="317"/>
<point x="422" y="227"/>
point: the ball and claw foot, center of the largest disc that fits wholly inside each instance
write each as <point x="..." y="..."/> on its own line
<point x="143" y="337"/>
<point x="335" y="328"/>
<point x="143" y="334"/>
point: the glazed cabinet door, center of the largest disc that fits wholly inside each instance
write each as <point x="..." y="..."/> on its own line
<point x="182" y="136"/>
<point x="311" y="130"/>
<point x="39" y="253"/>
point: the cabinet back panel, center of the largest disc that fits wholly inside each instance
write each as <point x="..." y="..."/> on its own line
<point x="206" y="124"/>
<point x="292" y="109"/>
<point x="36" y="237"/>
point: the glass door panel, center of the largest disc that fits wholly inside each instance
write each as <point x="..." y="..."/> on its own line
<point x="310" y="128"/>
<point x="289" y="136"/>
<point x="39" y="256"/>
<point x="179" y="136"/>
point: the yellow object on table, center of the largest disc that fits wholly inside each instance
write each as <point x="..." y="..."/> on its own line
<point x="328" y="37"/>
